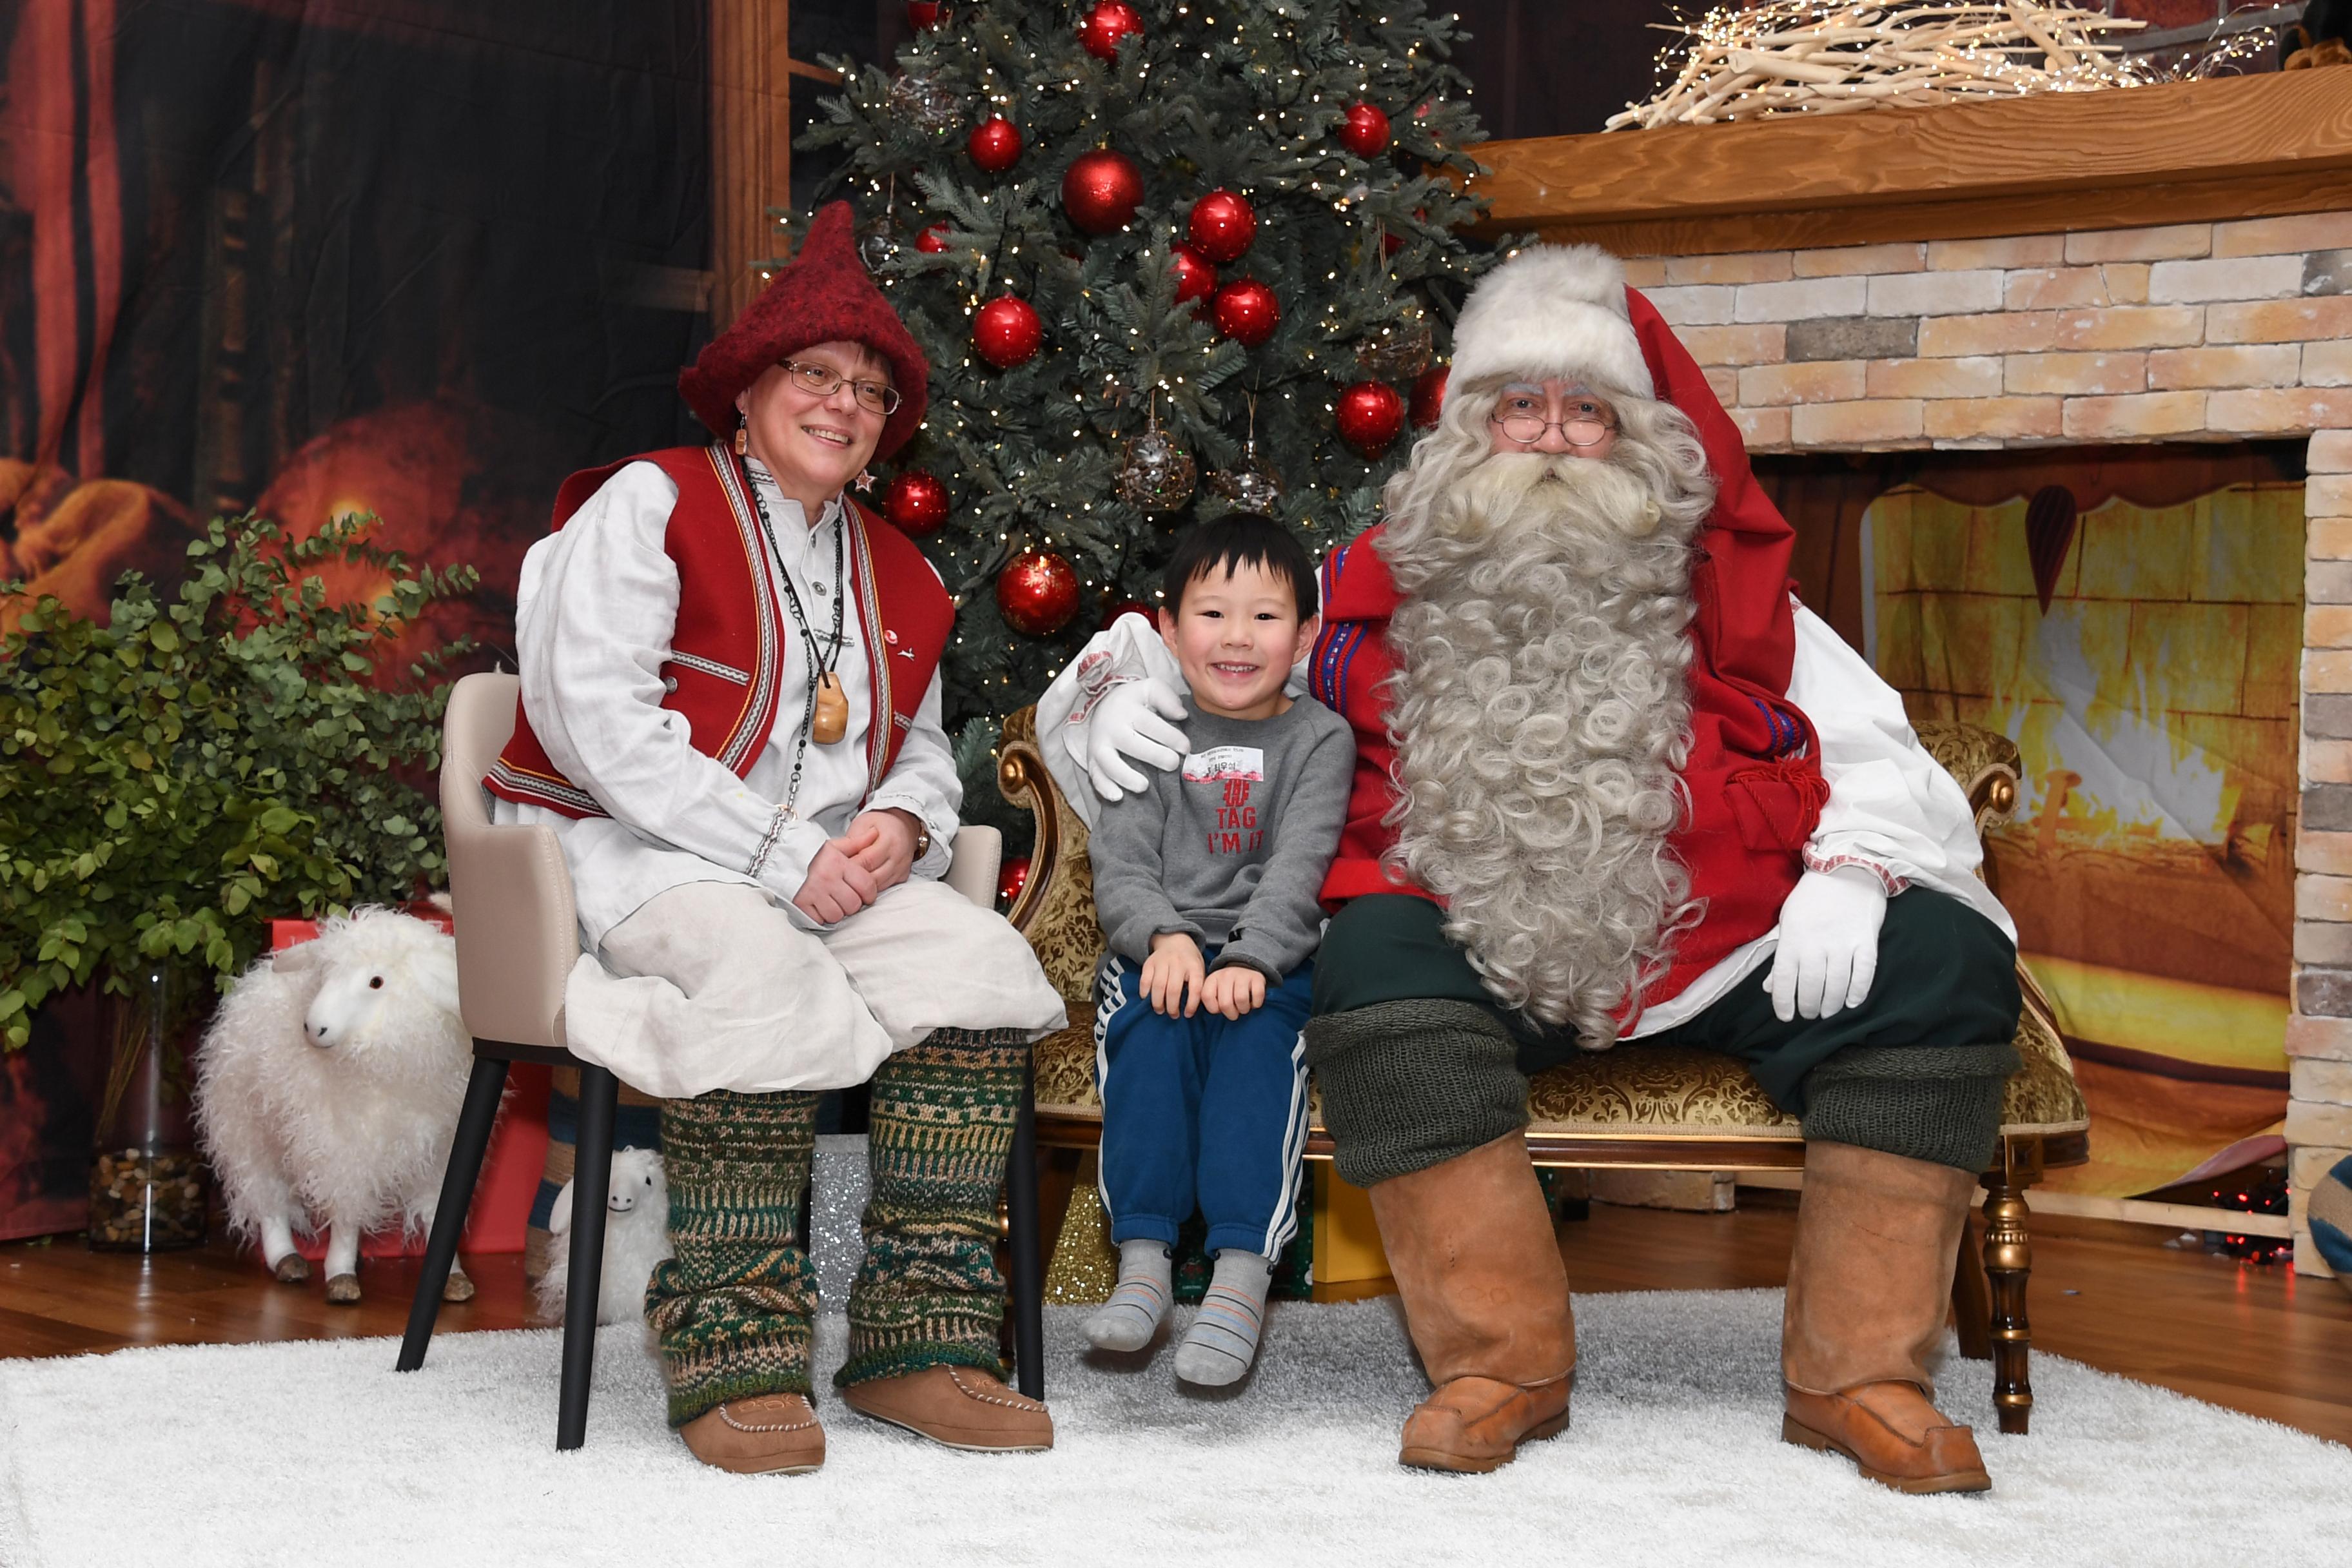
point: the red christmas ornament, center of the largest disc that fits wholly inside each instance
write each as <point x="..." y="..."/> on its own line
<point x="915" y="502"/>
<point x="1247" y="311"/>
<point x="1429" y="395"/>
<point x="1195" y="278"/>
<point x="1038" y="592"/>
<point x="923" y="14"/>
<point x="1101" y="190"/>
<point x="1126" y="608"/>
<point x="1370" y="415"/>
<point x="1222" y="227"/>
<point x="995" y="144"/>
<point x="933" y="239"/>
<point x="1006" y="332"/>
<point x="1012" y="876"/>
<point x="1101" y="29"/>
<point x="1365" y="131"/>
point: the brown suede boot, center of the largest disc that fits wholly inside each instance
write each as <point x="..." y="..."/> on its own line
<point x="1470" y="1243"/>
<point x="958" y="1406"/>
<point x="765" y="1435"/>
<point x="1877" y="1236"/>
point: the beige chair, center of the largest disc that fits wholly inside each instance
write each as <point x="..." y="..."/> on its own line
<point x="1653" y="1108"/>
<point x="517" y="942"/>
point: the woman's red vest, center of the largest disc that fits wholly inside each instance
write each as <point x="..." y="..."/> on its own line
<point x="726" y="663"/>
<point x="1753" y="778"/>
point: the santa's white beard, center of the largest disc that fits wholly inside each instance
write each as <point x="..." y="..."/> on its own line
<point x="1541" y="712"/>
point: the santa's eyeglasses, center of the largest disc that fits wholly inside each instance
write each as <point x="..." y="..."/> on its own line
<point x="824" y="381"/>
<point x="1586" y="422"/>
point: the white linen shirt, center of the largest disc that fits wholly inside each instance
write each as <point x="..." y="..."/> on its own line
<point x="593" y="613"/>
<point x="1892" y="806"/>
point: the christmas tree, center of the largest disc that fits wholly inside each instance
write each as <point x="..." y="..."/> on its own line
<point x="1167" y="257"/>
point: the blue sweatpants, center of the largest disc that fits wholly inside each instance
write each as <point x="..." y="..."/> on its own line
<point x="1204" y="1110"/>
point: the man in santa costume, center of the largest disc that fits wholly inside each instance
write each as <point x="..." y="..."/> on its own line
<point x="1613" y="785"/>
<point x="731" y="720"/>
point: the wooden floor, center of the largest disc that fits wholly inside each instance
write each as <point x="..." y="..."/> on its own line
<point x="2254" y="1338"/>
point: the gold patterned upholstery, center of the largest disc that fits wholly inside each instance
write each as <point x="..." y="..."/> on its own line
<point x="1629" y="1093"/>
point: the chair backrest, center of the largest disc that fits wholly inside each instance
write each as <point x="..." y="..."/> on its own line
<point x="518" y="937"/>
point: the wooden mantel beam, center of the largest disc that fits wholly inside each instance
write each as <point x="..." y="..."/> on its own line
<point x="2189" y="151"/>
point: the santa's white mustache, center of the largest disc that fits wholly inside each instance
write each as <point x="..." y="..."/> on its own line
<point x="1510" y="487"/>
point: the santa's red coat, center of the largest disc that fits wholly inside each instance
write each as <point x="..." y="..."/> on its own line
<point x="1754" y="780"/>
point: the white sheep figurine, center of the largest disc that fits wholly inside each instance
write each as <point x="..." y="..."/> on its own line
<point x="327" y="1089"/>
<point x="636" y="1237"/>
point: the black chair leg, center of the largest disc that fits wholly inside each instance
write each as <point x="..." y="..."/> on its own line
<point x="1028" y="1280"/>
<point x="592" y="1180"/>
<point x="465" y="1148"/>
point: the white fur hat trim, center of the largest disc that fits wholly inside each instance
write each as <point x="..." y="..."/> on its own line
<point x="1551" y="311"/>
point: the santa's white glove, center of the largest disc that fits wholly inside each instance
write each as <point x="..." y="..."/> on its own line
<point x="1828" y="953"/>
<point x="1132" y="720"/>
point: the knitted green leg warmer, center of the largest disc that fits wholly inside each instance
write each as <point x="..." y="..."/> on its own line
<point x="1924" y="1103"/>
<point x="732" y="1308"/>
<point x="929" y="1293"/>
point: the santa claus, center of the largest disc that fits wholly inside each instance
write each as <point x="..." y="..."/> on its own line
<point x="1614" y="787"/>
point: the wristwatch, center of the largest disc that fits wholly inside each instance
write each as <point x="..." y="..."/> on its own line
<point x="922" y="838"/>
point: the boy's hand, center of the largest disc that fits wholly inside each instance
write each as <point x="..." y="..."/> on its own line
<point x="1233" y="990"/>
<point x="1172" y="975"/>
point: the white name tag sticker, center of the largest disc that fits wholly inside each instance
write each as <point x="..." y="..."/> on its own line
<point x="1221" y="762"/>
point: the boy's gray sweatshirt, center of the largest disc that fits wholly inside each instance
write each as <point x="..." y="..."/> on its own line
<point x="1232" y="845"/>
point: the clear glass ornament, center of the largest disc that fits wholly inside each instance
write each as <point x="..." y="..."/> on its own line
<point x="1155" y="473"/>
<point x="1403" y="349"/>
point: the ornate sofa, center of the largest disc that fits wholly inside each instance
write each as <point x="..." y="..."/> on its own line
<point x="1638" y="1106"/>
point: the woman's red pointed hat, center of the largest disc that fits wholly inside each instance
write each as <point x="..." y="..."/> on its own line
<point x="823" y="295"/>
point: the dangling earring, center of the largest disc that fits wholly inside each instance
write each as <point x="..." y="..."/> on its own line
<point x="742" y="433"/>
<point x="864" y="481"/>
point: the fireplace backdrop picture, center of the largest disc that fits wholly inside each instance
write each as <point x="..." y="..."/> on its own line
<point x="2132" y="619"/>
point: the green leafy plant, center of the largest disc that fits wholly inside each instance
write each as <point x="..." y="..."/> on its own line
<point x="176" y="774"/>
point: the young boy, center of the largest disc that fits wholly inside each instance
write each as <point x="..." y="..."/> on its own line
<point x="1205" y="883"/>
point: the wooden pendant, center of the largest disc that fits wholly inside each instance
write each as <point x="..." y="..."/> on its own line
<point x="831" y="721"/>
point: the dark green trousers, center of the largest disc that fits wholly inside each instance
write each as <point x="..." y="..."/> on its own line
<point x="1918" y="1070"/>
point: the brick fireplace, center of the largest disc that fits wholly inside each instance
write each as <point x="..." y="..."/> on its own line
<point x="2160" y="265"/>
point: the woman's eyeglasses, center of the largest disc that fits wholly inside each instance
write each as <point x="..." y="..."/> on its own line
<point x="824" y="381"/>
<point x="1587" y="423"/>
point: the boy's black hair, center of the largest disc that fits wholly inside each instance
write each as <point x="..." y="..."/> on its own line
<point x="1236" y="539"/>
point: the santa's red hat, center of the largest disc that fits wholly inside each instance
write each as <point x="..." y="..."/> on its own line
<point x="824" y="295"/>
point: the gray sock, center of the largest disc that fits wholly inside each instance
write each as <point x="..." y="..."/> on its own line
<point x="1222" y="1341"/>
<point x="1137" y="1303"/>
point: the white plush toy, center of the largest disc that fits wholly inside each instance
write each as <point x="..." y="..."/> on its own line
<point x="636" y="1237"/>
<point x="327" y="1089"/>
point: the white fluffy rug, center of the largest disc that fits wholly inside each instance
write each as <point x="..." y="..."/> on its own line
<point x="318" y="1452"/>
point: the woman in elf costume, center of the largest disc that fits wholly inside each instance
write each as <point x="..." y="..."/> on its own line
<point x="730" y="719"/>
